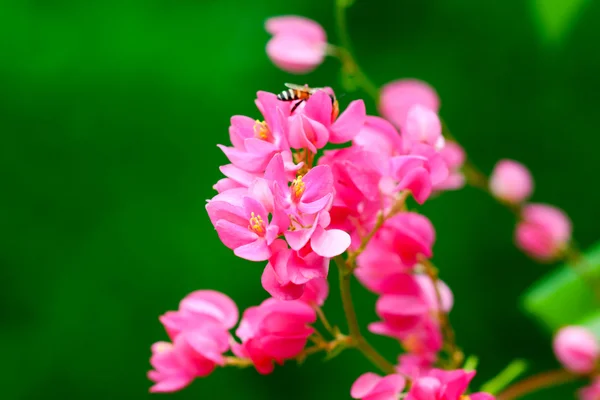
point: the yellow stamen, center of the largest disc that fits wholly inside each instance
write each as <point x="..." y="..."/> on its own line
<point x="297" y="187"/>
<point x="257" y="225"/>
<point x="261" y="130"/>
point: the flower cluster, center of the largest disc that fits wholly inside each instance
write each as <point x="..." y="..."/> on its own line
<point x="305" y="184"/>
<point x="271" y="332"/>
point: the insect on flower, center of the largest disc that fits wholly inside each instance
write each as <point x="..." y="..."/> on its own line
<point x="303" y="93"/>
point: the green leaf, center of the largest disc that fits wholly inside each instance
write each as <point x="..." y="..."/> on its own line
<point x="334" y="352"/>
<point x="505" y="377"/>
<point x="565" y="296"/>
<point x="555" y="18"/>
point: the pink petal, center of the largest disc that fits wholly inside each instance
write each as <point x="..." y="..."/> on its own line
<point x="275" y="171"/>
<point x="172" y="384"/>
<point x="295" y="25"/>
<point x="270" y="283"/>
<point x="255" y="251"/>
<point x="295" y="54"/>
<point x="213" y="303"/>
<point x="237" y="174"/>
<point x="329" y="243"/>
<point x="221" y="210"/>
<point x="241" y="128"/>
<point x="399" y="96"/>
<point x="234" y="236"/>
<point x="364" y="384"/>
<point x="349" y="123"/>
<point x="318" y="182"/>
<point x="318" y="108"/>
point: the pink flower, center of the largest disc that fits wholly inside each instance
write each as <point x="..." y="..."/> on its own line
<point x="454" y="157"/>
<point x="199" y="331"/>
<point x="577" y="349"/>
<point x="312" y="126"/>
<point x="273" y="332"/>
<point x="544" y="232"/>
<point x="444" y="385"/>
<point x="370" y="386"/>
<point x="243" y="224"/>
<point x="591" y="392"/>
<point x="423" y="125"/>
<point x="176" y="365"/>
<point x="511" y="182"/>
<point x="399" y="96"/>
<point x="202" y="308"/>
<point x="298" y="44"/>
<point x="288" y="271"/>
<point x="409" y="235"/>
<point x="255" y="142"/>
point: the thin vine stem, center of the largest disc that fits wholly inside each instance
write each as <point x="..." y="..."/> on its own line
<point x="353" y="326"/>
<point x="535" y="383"/>
<point x="346" y="55"/>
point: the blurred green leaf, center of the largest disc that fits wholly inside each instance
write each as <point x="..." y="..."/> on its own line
<point x="556" y="17"/>
<point x="565" y="296"/>
<point x="505" y="377"/>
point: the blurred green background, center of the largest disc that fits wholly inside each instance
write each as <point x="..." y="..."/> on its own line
<point x="110" y="113"/>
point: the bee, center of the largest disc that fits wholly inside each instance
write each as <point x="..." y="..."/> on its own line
<point x="302" y="93"/>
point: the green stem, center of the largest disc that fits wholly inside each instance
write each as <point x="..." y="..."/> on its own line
<point x="505" y="377"/>
<point x="535" y="383"/>
<point x="345" y="53"/>
<point x="357" y="339"/>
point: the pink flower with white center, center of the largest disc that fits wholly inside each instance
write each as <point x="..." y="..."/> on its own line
<point x="454" y="158"/>
<point x="544" y="231"/>
<point x="312" y="126"/>
<point x="242" y="224"/>
<point x="577" y="349"/>
<point x="274" y="331"/>
<point x="423" y="125"/>
<point x="445" y="385"/>
<point x="370" y="386"/>
<point x="399" y="96"/>
<point x="298" y="45"/>
<point x="315" y="292"/>
<point x="590" y="392"/>
<point x="289" y="271"/>
<point x="511" y="182"/>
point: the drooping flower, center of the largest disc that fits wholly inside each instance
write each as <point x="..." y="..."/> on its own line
<point x="243" y="225"/>
<point x="177" y="365"/>
<point x="399" y="96"/>
<point x="544" y="231"/>
<point x="511" y="182"/>
<point x="274" y="331"/>
<point x="370" y="386"/>
<point x="298" y="45"/>
<point x="199" y="334"/>
<point x="577" y="349"/>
